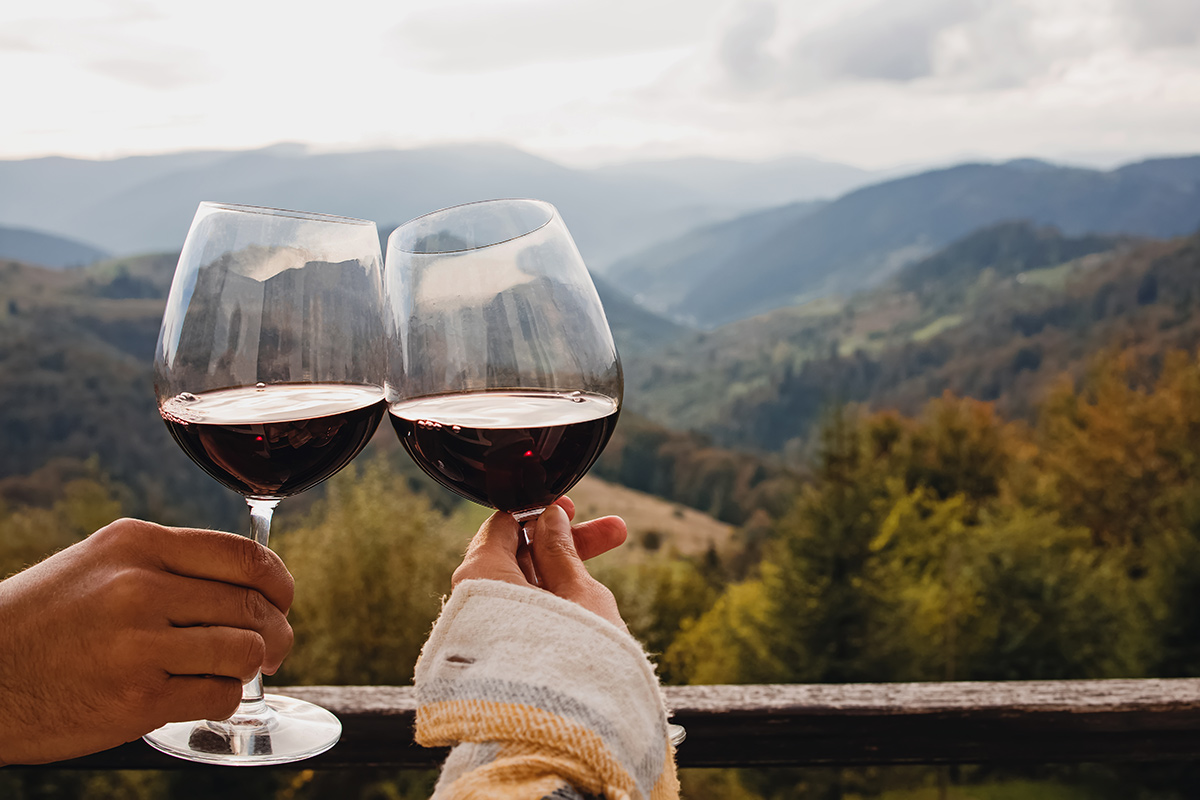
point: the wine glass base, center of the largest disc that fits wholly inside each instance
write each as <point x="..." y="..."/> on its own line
<point x="289" y="730"/>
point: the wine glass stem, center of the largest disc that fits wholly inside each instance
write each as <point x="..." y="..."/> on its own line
<point x="525" y="543"/>
<point x="261" y="512"/>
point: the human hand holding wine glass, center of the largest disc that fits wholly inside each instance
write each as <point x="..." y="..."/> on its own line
<point x="557" y="551"/>
<point x="503" y="383"/>
<point x="269" y="373"/>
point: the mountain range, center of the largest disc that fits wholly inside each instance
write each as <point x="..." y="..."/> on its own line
<point x="144" y="204"/>
<point x="772" y="259"/>
<point x="46" y="249"/>
<point x="703" y="242"/>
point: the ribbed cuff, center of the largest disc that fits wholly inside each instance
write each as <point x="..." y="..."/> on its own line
<point x="523" y="668"/>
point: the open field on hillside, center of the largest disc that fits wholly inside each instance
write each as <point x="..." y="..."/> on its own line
<point x="678" y="528"/>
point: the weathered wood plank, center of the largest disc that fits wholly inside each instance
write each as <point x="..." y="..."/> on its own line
<point x="1045" y="721"/>
<point x="848" y="724"/>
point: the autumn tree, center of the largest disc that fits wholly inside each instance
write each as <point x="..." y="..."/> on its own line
<point x="372" y="561"/>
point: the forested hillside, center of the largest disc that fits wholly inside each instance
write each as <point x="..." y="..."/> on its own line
<point x="997" y="316"/>
<point x="76" y="384"/>
<point x="1008" y="347"/>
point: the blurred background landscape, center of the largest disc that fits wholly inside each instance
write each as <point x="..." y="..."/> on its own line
<point x="912" y="394"/>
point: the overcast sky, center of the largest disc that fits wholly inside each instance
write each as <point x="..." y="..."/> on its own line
<point x="875" y="83"/>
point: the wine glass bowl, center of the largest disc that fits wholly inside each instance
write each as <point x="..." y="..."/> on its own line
<point x="269" y="375"/>
<point x="504" y="384"/>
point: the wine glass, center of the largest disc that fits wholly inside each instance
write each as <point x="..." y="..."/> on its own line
<point x="504" y="384"/>
<point x="503" y="380"/>
<point x="269" y="374"/>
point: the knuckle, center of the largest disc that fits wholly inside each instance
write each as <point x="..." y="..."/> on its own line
<point x="226" y="693"/>
<point x="255" y="651"/>
<point x="142" y="689"/>
<point x="120" y="533"/>
<point x="559" y="547"/>
<point x="288" y="589"/>
<point x="263" y="569"/>
<point x="257" y="562"/>
<point x="126" y="591"/>
<point x="278" y="644"/>
<point x="254" y="607"/>
<point x="286" y="638"/>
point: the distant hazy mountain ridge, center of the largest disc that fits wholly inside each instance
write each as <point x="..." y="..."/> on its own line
<point x="145" y="204"/>
<point x="744" y="267"/>
<point x="703" y="241"/>
<point x="46" y="249"/>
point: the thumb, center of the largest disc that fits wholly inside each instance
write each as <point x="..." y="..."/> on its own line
<point x="562" y="571"/>
<point x="554" y="556"/>
<point x="492" y="553"/>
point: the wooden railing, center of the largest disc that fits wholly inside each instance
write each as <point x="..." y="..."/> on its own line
<point x="830" y="724"/>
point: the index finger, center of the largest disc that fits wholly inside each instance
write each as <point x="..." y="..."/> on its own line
<point x="597" y="536"/>
<point x="211" y="555"/>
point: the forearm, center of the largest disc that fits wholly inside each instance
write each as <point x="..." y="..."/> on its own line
<point x="15" y="715"/>
<point x="537" y="694"/>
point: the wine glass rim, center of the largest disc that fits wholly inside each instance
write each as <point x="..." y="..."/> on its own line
<point x="545" y="206"/>
<point x="315" y="216"/>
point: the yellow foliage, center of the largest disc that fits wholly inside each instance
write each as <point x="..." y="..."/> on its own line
<point x="29" y="534"/>
<point x="1123" y="453"/>
<point x="372" y="562"/>
<point x="732" y="642"/>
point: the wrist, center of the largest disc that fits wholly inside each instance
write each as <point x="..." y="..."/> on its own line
<point x="531" y="671"/>
<point x="7" y="666"/>
<point x="494" y="631"/>
<point x="14" y="701"/>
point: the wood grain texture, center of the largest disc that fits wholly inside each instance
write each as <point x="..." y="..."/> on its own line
<point x="829" y="724"/>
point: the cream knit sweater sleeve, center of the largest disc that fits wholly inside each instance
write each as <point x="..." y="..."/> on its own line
<point x="540" y="698"/>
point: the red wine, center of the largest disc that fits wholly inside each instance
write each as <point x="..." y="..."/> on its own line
<point x="515" y="451"/>
<point x="274" y="441"/>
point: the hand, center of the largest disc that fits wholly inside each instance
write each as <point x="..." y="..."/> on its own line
<point x="136" y="626"/>
<point x="555" y="555"/>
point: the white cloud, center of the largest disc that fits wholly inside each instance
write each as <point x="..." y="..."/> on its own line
<point x="128" y="42"/>
<point x="485" y="36"/>
<point x="164" y="70"/>
<point x="766" y="47"/>
<point x="744" y="48"/>
<point x="1161" y="23"/>
<point x="873" y="82"/>
<point x="879" y="83"/>
<point x="885" y="42"/>
<point x="773" y="48"/>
